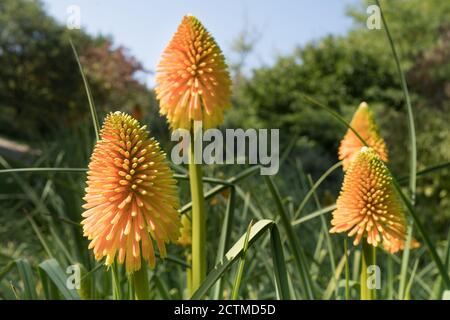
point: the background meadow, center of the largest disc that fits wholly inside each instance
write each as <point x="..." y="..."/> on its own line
<point x="45" y="121"/>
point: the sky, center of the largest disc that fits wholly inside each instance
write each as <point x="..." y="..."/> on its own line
<point x="146" y="26"/>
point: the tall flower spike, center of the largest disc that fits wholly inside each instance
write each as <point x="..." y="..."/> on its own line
<point x="368" y="205"/>
<point x="364" y="123"/>
<point x="192" y="78"/>
<point x="131" y="195"/>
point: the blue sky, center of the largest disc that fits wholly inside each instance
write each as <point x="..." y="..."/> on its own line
<point x="146" y="26"/>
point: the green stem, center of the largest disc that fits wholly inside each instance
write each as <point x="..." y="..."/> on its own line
<point x="115" y="281"/>
<point x="367" y="259"/>
<point x="198" y="219"/>
<point x="347" y="271"/>
<point x="140" y="283"/>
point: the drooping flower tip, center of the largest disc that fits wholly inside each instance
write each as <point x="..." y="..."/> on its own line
<point x="364" y="123"/>
<point x="131" y="195"/>
<point x="192" y="78"/>
<point x="368" y="205"/>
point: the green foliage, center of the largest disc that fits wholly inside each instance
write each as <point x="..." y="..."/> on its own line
<point x="340" y="72"/>
<point x="40" y="88"/>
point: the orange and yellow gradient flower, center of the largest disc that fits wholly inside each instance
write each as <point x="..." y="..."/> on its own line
<point x="364" y="123"/>
<point x="131" y="195"/>
<point x="192" y="78"/>
<point x="368" y="205"/>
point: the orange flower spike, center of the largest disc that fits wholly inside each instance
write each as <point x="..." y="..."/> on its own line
<point x="364" y="123"/>
<point x="131" y="195"/>
<point x="368" y="205"/>
<point x="192" y="78"/>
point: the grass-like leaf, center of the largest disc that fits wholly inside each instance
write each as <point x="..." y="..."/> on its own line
<point x="53" y="270"/>
<point x="225" y="237"/>
<point x="315" y="186"/>
<point x="26" y="274"/>
<point x="258" y="229"/>
<point x="279" y="265"/>
<point x="313" y="215"/>
<point x="240" y="270"/>
<point x="294" y="245"/>
<point x="211" y="193"/>
<point x="424" y="234"/>
<point x="88" y="93"/>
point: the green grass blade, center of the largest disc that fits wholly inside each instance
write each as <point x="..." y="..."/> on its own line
<point x="411" y="280"/>
<point x="205" y="179"/>
<point x="225" y="238"/>
<point x="6" y="269"/>
<point x="88" y="93"/>
<point x="53" y="270"/>
<point x="40" y="236"/>
<point x="17" y="170"/>
<point x="336" y="115"/>
<point x="162" y="288"/>
<point x="173" y="259"/>
<point x="446" y="263"/>
<point x="60" y="245"/>
<point x="279" y="265"/>
<point x="423" y="233"/>
<point x="211" y="193"/>
<point x="248" y="204"/>
<point x="115" y="280"/>
<point x="313" y="215"/>
<point x="49" y="289"/>
<point x="314" y="188"/>
<point x="325" y="229"/>
<point x="258" y="229"/>
<point x="91" y="272"/>
<point x="240" y="271"/>
<point x="426" y="171"/>
<point x="26" y="274"/>
<point x="334" y="279"/>
<point x="296" y="249"/>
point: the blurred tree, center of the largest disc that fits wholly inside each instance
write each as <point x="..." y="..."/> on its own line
<point x="41" y="90"/>
<point x="343" y="71"/>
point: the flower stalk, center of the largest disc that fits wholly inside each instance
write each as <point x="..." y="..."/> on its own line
<point x="198" y="217"/>
<point x="367" y="259"/>
<point x="140" y="282"/>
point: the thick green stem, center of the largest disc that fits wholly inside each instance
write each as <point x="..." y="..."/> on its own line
<point x="140" y="283"/>
<point x="198" y="219"/>
<point x="367" y="259"/>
